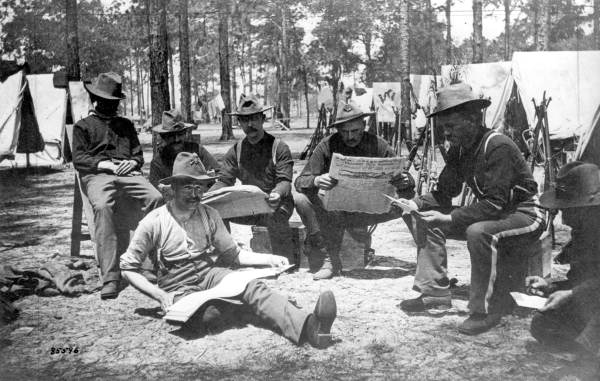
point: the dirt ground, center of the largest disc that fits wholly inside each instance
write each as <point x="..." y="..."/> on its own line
<point x="126" y="339"/>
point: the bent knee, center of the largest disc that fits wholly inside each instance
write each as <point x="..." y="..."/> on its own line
<point x="475" y="231"/>
<point x="540" y="328"/>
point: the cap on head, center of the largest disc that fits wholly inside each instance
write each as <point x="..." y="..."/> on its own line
<point x="106" y="86"/>
<point x="577" y="185"/>
<point x="187" y="166"/>
<point x="172" y="121"/>
<point x="250" y="105"/>
<point x="347" y="112"/>
<point x="459" y="94"/>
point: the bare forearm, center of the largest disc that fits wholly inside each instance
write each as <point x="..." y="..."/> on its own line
<point x="140" y="283"/>
<point x="248" y="258"/>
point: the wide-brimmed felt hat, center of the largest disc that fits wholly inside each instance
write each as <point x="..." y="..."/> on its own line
<point x="187" y="166"/>
<point x="250" y="105"/>
<point x="347" y="112"/>
<point x="172" y="121"/>
<point x="455" y="95"/>
<point x="106" y="86"/>
<point x="577" y="185"/>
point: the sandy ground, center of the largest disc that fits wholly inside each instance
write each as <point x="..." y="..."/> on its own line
<point x="126" y="339"/>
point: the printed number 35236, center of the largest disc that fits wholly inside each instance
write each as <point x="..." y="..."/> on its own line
<point x="58" y="350"/>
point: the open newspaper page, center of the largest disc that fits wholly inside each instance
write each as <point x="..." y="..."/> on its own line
<point x="361" y="182"/>
<point x="238" y="201"/>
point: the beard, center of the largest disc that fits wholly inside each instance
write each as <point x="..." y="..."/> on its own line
<point x="170" y="152"/>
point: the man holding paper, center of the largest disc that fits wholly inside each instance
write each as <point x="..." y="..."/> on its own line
<point x="181" y="239"/>
<point x="571" y="316"/>
<point x="264" y="161"/>
<point x="504" y="215"/>
<point x="325" y="228"/>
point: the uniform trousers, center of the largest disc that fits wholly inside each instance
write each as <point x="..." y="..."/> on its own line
<point x="490" y="244"/>
<point x="331" y="224"/>
<point x="102" y="190"/>
<point x="274" y="310"/>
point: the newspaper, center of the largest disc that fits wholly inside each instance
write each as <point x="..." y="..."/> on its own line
<point x="361" y="182"/>
<point x="232" y="285"/>
<point x="528" y="301"/>
<point x="238" y="201"/>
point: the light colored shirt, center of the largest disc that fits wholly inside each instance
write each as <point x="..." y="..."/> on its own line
<point x="162" y="237"/>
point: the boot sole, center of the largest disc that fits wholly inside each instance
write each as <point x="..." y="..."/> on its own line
<point x="325" y="312"/>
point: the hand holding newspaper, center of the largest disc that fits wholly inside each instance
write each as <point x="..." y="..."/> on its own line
<point x="407" y="206"/>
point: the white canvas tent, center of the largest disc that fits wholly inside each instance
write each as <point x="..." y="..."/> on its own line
<point x="21" y="142"/>
<point x="488" y="80"/>
<point x="570" y="78"/>
<point x="588" y="148"/>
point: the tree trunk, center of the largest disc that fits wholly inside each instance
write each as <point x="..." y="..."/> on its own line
<point x="430" y="18"/>
<point x="448" y="32"/>
<point x="171" y="74"/>
<point x="404" y="125"/>
<point x="226" y="130"/>
<point x="137" y="84"/>
<point x="305" y="78"/>
<point x="234" y="94"/>
<point x="130" y="85"/>
<point x="283" y="83"/>
<point x="265" y="85"/>
<point x="184" y="62"/>
<point x="477" y="31"/>
<point x="597" y="24"/>
<point x="507" y="30"/>
<point x="159" y="56"/>
<point x="73" y="72"/>
<point x="544" y="25"/>
<point x="535" y="4"/>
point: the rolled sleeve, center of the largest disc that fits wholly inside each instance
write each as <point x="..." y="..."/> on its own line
<point x="139" y="248"/>
<point x="316" y="165"/>
<point x="223" y="243"/>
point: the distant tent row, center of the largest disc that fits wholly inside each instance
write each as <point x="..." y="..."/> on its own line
<point x="570" y="78"/>
<point x="32" y="122"/>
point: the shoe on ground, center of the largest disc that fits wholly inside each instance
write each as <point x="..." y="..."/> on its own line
<point x="326" y="271"/>
<point x="110" y="290"/>
<point x="426" y="303"/>
<point x="479" y="323"/>
<point x="318" y="325"/>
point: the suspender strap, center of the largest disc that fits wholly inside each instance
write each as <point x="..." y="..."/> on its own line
<point x="238" y="151"/>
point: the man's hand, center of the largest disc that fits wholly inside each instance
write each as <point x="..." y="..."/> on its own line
<point x="557" y="299"/>
<point x="165" y="299"/>
<point x="407" y="206"/>
<point x="125" y="166"/>
<point x="325" y="182"/>
<point x="402" y="180"/>
<point x="274" y="199"/>
<point x="278" y="261"/>
<point x="536" y="285"/>
<point x="434" y="217"/>
<point x="107" y="166"/>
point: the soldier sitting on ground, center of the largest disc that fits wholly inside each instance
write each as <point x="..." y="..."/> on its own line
<point x="180" y="238"/>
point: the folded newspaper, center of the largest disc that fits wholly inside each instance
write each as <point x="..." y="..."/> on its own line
<point x="361" y="180"/>
<point x="238" y="201"/>
<point x="528" y="301"/>
<point x="232" y="285"/>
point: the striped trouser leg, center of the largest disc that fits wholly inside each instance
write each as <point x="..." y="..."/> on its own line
<point x="523" y="227"/>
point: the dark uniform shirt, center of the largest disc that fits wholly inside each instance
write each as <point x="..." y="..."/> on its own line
<point x="257" y="167"/>
<point x="97" y="138"/>
<point x="161" y="165"/>
<point x="320" y="160"/>
<point x="494" y="169"/>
